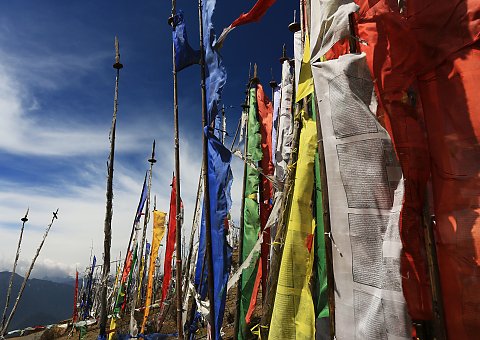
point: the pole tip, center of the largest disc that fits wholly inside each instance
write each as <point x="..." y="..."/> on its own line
<point x="117" y="64"/>
<point x="25" y="218"/>
<point x="255" y="79"/>
<point x="152" y="159"/>
<point x="294" y="26"/>
<point x="284" y="54"/>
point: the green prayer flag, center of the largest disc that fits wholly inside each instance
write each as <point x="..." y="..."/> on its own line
<point x="251" y="214"/>
<point x="319" y="287"/>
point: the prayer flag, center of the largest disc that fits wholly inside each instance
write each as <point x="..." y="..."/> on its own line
<point x="185" y="55"/>
<point x="293" y="312"/>
<point x="305" y="81"/>
<point x="158" y="233"/>
<point x="172" y="226"/>
<point x="255" y="14"/>
<point x="216" y="74"/>
<point x="251" y="211"/>
<point x="220" y="179"/>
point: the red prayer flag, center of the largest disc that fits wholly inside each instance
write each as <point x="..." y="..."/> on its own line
<point x="426" y="63"/>
<point x="255" y="14"/>
<point x="253" y="300"/>
<point x="265" y="115"/>
<point x="172" y="226"/>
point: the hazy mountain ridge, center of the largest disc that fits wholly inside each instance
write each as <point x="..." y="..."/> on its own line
<point x="43" y="302"/>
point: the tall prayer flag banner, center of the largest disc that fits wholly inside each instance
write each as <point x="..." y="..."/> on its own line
<point x="220" y="177"/>
<point x="283" y="147"/>
<point x="319" y="285"/>
<point x="158" y="233"/>
<point x="172" y="223"/>
<point x="265" y="116"/>
<point x="366" y="192"/>
<point x="293" y="312"/>
<point x="251" y="211"/>
<point x="426" y="73"/>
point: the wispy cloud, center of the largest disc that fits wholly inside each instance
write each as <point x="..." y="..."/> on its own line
<point x="23" y="131"/>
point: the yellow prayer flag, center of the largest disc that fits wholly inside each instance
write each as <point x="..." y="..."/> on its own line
<point x="113" y="325"/>
<point x="158" y="233"/>
<point x="305" y="81"/>
<point x="293" y="312"/>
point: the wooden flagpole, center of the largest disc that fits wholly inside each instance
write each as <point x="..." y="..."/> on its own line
<point x="27" y="275"/>
<point x="206" y="195"/>
<point x="133" y="322"/>
<point x="245" y="107"/>
<point x="9" y="290"/>
<point x="196" y="214"/>
<point x="109" y="208"/>
<point x="178" y="230"/>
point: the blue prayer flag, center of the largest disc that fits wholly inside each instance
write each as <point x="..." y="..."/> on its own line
<point x="185" y="55"/>
<point x="220" y="181"/>
<point x="216" y="74"/>
<point x="143" y="198"/>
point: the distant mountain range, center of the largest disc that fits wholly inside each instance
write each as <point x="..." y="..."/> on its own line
<point x="43" y="302"/>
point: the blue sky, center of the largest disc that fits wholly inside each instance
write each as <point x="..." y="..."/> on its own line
<point x="56" y="102"/>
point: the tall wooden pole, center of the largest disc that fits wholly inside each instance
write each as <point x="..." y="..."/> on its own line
<point x="206" y="195"/>
<point x="178" y="230"/>
<point x="245" y="107"/>
<point x="133" y="322"/>
<point x="109" y="210"/>
<point x="196" y="215"/>
<point x="9" y="290"/>
<point x="27" y="275"/>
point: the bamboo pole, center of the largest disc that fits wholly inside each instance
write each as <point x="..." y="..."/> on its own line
<point x="24" y="283"/>
<point x="9" y="290"/>
<point x="208" y="227"/>
<point x="109" y="208"/>
<point x="178" y="230"/>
